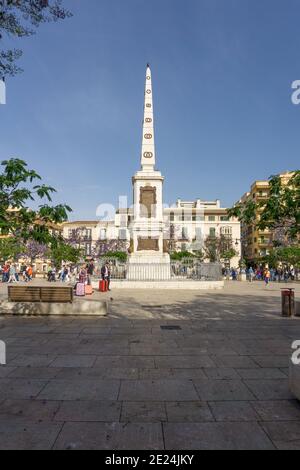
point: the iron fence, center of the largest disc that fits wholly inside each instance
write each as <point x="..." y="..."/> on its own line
<point x="189" y="269"/>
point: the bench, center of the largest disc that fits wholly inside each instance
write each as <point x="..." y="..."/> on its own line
<point x="40" y="294"/>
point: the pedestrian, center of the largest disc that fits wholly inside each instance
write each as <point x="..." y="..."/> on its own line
<point x="106" y="274"/>
<point x="83" y="275"/>
<point x="251" y="274"/>
<point x="12" y="274"/>
<point x="29" y="273"/>
<point x="267" y="276"/>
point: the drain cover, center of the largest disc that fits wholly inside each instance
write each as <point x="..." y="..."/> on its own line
<point x="170" y="327"/>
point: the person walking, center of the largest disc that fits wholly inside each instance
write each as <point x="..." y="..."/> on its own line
<point x="12" y="274"/>
<point x="251" y="274"/>
<point x="267" y="276"/>
<point x="29" y="273"/>
<point x="5" y="274"/>
<point x="106" y="274"/>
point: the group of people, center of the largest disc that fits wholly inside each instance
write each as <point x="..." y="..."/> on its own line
<point x="231" y="274"/>
<point x="63" y="275"/>
<point x="271" y="275"/>
<point x="82" y="274"/>
<point x="10" y="274"/>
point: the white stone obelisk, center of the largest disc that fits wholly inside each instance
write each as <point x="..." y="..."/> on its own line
<point x="148" y="260"/>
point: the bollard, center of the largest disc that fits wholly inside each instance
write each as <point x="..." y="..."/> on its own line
<point x="288" y="302"/>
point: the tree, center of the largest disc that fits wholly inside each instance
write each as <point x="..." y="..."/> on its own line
<point x="26" y="231"/>
<point x="288" y="256"/>
<point x="20" y="18"/>
<point x="17" y="190"/>
<point x="181" y="255"/>
<point x="279" y="213"/>
<point x="103" y="247"/>
<point x="34" y="250"/>
<point x="10" y="248"/>
<point x="219" y="248"/>
<point x="227" y="255"/>
<point x="64" y="252"/>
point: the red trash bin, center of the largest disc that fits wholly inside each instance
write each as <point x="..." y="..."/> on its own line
<point x="288" y="302"/>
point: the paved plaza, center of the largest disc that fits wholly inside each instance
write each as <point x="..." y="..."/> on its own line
<point x="164" y="370"/>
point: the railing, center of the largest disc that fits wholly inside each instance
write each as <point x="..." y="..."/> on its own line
<point x="184" y="270"/>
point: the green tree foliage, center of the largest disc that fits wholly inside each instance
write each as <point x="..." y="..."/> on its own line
<point x="181" y="255"/>
<point x="287" y="256"/>
<point x="26" y="231"/>
<point x="18" y="188"/>
<point x="220" y="248"/>
<point x="120" y="255"/>
<point x="10" y="248"/>
<point x="64" y="252"/>
<point x="20" y="18"/>
<point x="280" y="212"/>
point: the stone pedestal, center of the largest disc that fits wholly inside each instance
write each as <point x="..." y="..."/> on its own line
<point x="149" y="266"/>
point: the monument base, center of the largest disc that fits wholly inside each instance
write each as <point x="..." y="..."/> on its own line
<point x="149" y="266"/>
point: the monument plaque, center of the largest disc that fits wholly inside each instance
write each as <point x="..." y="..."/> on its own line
<point x="148" y="244"/>
<point x="148" y="202"/>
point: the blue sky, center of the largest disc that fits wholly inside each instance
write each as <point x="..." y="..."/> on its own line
<point x="222" y="73"/>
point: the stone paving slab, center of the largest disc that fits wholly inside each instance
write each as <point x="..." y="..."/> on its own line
<point x="284" y="435"/>
<point x="183" y="412"/>
<point x="20" y="388"/>
<point x="157" y="390"/>
<point x="29" y="372"/>
<point x="215" y="436"/>
<point x="222" y="390"/>
<point x="261" y="373"/>
<point x="29" y="410"/>
<point x="143" y="412"/>
<point x="269" y="389"/>
<point x="110" y="436"/>
<point x="221" y="373"/>
<point x="184" y="362"/>
<point x="283" y="410"/>
<point x="73" y="361"/>
<point x="233" y="411"/>
<point x="80" y="390"/>
<point x="15" y="435"/>
<point x="89" y="411"/>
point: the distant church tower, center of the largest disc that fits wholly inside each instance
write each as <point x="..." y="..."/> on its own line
<point x="148" y="260"/>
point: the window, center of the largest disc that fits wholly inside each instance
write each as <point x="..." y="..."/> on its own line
<point x="212" y="232"/>
<point x="88" y="234"/>
<point x="185" y="233"/>
<point x="224" y="218"/>
<point x="103" y="234"/>
<point x="123" y="234"/>
<point x="88" y="249"/>
<point x="211" y="218"/>
<point x="227" y="231"/>
<point x="198" y="233"/>
<point x="172" y="216"/>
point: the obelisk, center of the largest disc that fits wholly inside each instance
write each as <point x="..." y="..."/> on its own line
<point x="148" y="260"/>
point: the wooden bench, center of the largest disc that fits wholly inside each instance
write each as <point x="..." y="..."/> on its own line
<point x="40" y="294"/>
